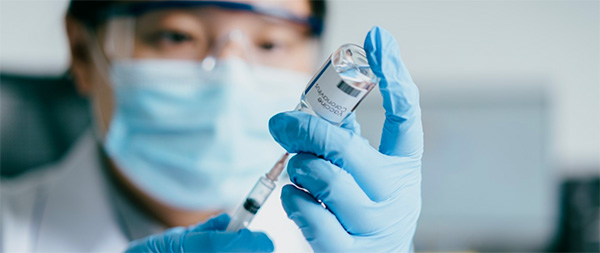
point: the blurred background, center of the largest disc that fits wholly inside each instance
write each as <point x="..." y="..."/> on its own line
<point x="510" y="94"/>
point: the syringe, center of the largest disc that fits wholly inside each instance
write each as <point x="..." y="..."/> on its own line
<point x="257" y="197"/>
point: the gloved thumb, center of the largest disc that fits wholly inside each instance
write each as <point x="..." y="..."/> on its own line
<point x="219" y="223"/>
<point x="402" y="133"/>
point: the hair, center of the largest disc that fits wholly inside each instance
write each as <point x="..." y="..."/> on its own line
<point x="86" y="10"/>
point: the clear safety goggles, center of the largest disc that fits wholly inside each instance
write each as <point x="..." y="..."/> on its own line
<point x="206" y="31"/>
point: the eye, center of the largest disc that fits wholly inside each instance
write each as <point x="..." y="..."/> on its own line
<point x="167" y="39"/>
<point x="172" y="37"/>
<point x="267" y="46"/>
<point x="270" y="45"/>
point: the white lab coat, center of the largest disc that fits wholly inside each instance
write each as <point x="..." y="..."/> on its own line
<point x="68" y="207"/>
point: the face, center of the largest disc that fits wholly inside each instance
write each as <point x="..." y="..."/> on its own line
<point x="188" y="34"/>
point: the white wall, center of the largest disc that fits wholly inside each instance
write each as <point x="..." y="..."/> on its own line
<point x="554" y="41"/>
<point x="32" y="36"/>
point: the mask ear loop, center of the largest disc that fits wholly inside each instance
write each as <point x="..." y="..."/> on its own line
<point x="100" y="124"/>
<point x="211" y="61"/>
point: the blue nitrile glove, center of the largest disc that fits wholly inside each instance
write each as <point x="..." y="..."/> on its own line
<point x="372" y="198"/>
<point x="207" y="237"/>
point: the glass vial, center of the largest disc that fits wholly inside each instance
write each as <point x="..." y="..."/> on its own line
<point x="340" y="85"/>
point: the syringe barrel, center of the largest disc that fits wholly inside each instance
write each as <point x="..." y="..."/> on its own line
<point x="255" y="199"/>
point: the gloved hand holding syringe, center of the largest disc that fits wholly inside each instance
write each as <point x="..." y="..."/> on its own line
<point x="333" y="94"/>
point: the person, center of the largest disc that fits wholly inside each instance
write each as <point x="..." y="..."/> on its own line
<point x="181" y="93"/>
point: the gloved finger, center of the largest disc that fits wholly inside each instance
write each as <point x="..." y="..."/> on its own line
<point x="337" y="190"/>
<point x="243" y="240"/>
<point x="299" y="132"/>
<point x="351" y="124"/>
<point x="140" y="245"/>
<point x="402" y="131"/>
<point x="319" y="226"/>
<point x="169" y="241"/>
<point x="219" y="223"/>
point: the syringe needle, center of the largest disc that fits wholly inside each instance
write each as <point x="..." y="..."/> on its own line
<point x="277" y="168"/>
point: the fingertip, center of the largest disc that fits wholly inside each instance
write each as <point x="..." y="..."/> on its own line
<point x="281" y="118"/>
<point x="260" y="241"/>
<point x="275" y="119"/>
<point x="284" y="123"/>
<point x="286" y="191"/>
<point x="318" y="225"/>
<point x="380" y="43"/>
<point x="221" y="221"/>
<point x="371" y="46"/>
<point x="288" y="197"/>
<point x="290" y="130"/>
<point x="274" y="123"/>
<point x="278" y="130"/>
<point x="221" y="216"/>
<point x="291" y="168"/>
<point x="265" y="242"/>
<point x="372" y="35"/>
<point x="378" y="32"/>
<point x="293" y="198"/>
<point x="218" y="222"/>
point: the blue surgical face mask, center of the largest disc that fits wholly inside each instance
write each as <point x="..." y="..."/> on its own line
<point x="194" y="139"/>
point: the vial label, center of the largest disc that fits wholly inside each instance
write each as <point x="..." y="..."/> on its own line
<point x="330" y="97"/>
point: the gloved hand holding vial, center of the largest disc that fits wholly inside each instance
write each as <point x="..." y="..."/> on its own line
<point x="348" y="196"/>
<point x="333" y="94"/>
